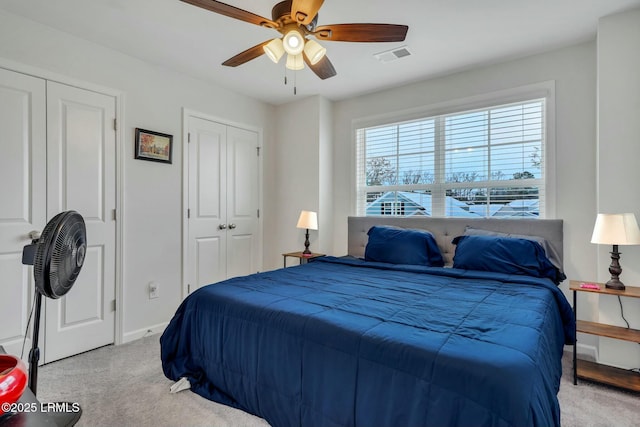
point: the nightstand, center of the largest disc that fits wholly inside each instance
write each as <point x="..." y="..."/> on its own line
<point x="585" y="369"/>
<point x="304" y="258"/>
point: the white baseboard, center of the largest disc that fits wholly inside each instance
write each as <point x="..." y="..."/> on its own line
<point x="587" y="352"/>
<point x="144" y="332"/>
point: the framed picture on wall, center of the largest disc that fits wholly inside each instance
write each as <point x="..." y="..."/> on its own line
<point x="153" y="146"/>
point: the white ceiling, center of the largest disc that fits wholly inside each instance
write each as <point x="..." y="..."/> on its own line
<point x="443" y="37"/>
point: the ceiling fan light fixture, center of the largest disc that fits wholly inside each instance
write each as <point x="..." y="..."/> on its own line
<point x="274" y="50"/>
<point x="314" y="50"/>
<point x="293" y="42"/>
<point x="295" y="62"/>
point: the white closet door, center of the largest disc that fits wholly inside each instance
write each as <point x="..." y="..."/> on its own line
<point x="22" y="197"/>
<point x="81" y="177"/>
<point x="242" y="202"/>
<point x="207" y="202"/>
<point x="223" y="239"/>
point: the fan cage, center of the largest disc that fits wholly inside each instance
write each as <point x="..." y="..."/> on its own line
<point x="60" y="254"/>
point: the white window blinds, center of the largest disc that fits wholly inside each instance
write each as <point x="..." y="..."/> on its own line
<point x="481" y="163"/>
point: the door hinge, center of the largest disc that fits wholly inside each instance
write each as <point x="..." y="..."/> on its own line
<point x="113" y="305"/>
<point x="188" y="288"/>
<point x="115" y="124"/>
<point x="188" y="213"/>
<point x="258" y="150"/>
<point x="188" y="137"/>
<point x="258" y="213"/>
<point x="113" y="214"/>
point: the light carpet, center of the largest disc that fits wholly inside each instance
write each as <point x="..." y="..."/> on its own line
<point x="124" y="386"/>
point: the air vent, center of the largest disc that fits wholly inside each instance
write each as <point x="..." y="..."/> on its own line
<point x="393" y="54"/>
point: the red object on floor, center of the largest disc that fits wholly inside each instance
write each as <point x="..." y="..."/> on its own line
<point x="13" y="379"/>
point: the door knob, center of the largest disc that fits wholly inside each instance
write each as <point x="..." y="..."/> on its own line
<point x="232" y="226"/>
<point x="222" y="226"/>
<point x="34" y="235"/>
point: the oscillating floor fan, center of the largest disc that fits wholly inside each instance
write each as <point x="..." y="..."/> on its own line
<point x="57" y="257"/>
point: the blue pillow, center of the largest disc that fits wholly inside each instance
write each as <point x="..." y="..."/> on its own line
<point x="549" y="250"/>
<point x="503" y="255"/>
<point x="402" y="246"/>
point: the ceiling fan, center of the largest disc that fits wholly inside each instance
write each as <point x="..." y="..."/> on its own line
<point x="296" y="20"/>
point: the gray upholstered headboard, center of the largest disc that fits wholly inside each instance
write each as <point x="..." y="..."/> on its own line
<point x="445" y="229"/>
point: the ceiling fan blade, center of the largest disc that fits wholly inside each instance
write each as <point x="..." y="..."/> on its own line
<point x="303" y="11"/>
<point x="246" y="56"/>
<point x="323" y="68"/>
<point x="361" y="32"/>
<point x="233" y="12"/>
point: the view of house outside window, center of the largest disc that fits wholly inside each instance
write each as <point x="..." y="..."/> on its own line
<point x="480" y="163"/>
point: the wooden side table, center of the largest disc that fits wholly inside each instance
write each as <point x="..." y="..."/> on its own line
<point x="304" y="258"/>
<point x="594" y="371"/>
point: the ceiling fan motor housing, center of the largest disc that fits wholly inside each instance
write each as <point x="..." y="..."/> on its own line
<point x="281" y="10"/>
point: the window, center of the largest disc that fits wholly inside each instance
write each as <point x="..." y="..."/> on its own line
<point x="392" y="208"/>
<point x="481" y="163"/>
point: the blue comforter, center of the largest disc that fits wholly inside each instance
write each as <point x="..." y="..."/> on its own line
<point x="343" y="342"/>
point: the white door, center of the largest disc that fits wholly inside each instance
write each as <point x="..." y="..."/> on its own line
<point x="58" y="153"/>
<point x="242" y="202"/>
<point x="207" y="204"/>
<point x="223" y="200"/>
<point x="81" y="148"/>
<point x="23" y="174"/>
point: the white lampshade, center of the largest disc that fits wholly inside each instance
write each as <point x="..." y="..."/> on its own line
<point x="315" y="52"/>
<point x="308" y="220"/>
<point x="616" y="229"/>
<point x="274" y="50"/>
<point x="293" y="42"/>
<point x="295" y="62"/>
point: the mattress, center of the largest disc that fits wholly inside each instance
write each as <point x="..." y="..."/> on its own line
<point x="344" y="342"/>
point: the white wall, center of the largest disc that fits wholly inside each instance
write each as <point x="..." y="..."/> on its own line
<point x="304" y="177"/>
<point x="618" y="172"/>
<point x="325" y="190"/>
<point x="154" y="98"/>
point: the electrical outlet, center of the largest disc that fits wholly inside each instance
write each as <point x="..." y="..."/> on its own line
<point x="153" y="290"/>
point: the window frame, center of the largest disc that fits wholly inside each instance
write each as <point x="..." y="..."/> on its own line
<point x="544" y="90"/>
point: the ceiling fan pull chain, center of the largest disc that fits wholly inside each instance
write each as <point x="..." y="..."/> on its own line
<point x="295" y="84"/>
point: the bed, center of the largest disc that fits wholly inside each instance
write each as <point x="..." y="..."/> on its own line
<point x="356" y="341"/>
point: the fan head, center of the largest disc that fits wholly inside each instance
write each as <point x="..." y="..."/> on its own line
<point x="60" y="254"/>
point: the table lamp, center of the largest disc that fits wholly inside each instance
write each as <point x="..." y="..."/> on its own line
<point x="616" y="229"/>
<point x="308" y="220"/>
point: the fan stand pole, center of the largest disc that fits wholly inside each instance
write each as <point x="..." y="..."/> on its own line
<point x="34" y="354"/>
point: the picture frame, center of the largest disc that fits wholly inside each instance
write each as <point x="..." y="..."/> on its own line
<point x="153" y="146"/>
